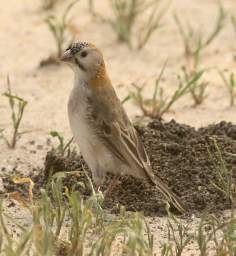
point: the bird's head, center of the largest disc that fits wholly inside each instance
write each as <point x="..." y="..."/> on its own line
<point x="85" y="60"/>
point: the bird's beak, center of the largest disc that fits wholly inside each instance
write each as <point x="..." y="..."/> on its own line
<point x="66" y="56"/>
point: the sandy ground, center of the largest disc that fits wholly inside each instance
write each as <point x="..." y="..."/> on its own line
<point x="25" y="40"/>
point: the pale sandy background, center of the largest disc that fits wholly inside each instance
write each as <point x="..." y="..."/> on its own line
<point x="25" y="40"/>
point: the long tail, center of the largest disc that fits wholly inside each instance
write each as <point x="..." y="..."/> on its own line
<point x="170" y="196"/>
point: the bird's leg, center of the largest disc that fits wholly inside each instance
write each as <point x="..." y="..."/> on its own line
<point x="97" y="189"/>
<point x="98" y="178"/>
<point x="112" y="184"/>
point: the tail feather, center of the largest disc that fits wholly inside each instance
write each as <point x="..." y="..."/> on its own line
<point x="169" y="195"/>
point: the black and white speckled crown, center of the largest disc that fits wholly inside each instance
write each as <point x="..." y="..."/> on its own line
<point x="77" y="46"/>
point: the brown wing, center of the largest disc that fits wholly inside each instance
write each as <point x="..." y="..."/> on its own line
<point x="126" y="145"/>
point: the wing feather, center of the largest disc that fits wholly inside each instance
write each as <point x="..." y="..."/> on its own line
<point x="126" y="144"/>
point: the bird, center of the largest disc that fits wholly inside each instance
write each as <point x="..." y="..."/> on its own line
<point x="107" y="139"/>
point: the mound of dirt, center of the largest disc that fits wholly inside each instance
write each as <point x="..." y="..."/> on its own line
<point x="179" y="155"/>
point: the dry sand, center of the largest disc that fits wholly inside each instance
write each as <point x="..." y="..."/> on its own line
<point x="26" y="40"/>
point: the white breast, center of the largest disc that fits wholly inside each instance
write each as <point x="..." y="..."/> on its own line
<point x="77" y="110"/>
<point x="94" y="152"/>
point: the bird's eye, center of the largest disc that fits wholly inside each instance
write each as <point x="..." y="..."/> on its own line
<point x="83" y="54"/>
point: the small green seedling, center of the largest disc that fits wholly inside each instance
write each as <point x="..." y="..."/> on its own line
<point x="225" y="182"/>
<point x="152" y="24"/>
<point x="62" y="147"/>
<point x="127" y="12"/>
<point x="179" y="236"/>
<point x="223" y="234"/>
<point x="203" y="237"/>
<point x="135" y="232"/>
<point x="230" y="84"/>
<point x="195" y="41"/>
<point x="58" y="26"/>
<point x="158" y="105"/>
<point x="82" y="218"/>
<point x="214" y="236"/>
<point x="17" y="106"/>
<point x="8" y="244"/>
<point x="198" y="89"/>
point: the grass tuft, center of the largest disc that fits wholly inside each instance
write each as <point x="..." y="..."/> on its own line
<point x="62" y="147"/>
<point x="158" y="104"/>
<point x="230" y="84"/>
<point x="194" y="41"/>
<point x="126" y="14"/>
<point x="225" y="176"/>
<point x="17" y="106"/>
<point x="199" y="87"/>
<point x="179" y="236"/>
<point x="58" y="26"/>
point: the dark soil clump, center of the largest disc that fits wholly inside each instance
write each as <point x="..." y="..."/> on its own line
<point x="180" y="157"/>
